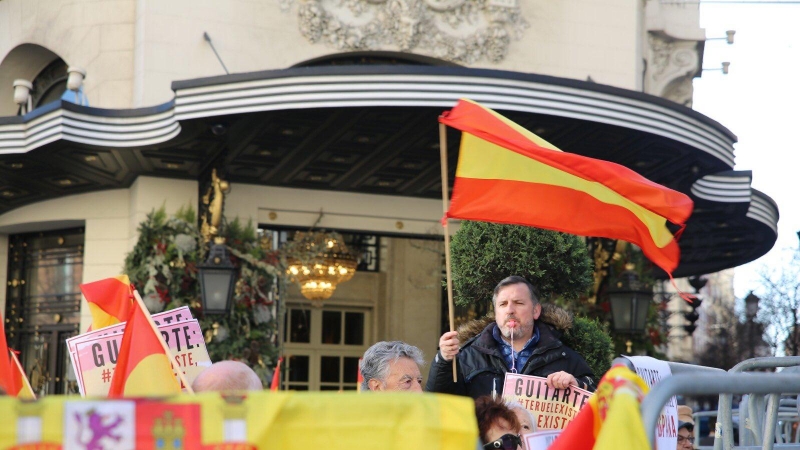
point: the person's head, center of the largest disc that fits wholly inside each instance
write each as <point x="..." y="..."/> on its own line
<point x="516" y="305"/>
<point x="392" y="366"/>
<point x="685" y="428"/>
<point x="227" y="376"/>
<point x="498" y="425"/>
<point x="527" y="422"/>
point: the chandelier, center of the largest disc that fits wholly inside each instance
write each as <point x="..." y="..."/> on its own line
<point x="318" y="262"/>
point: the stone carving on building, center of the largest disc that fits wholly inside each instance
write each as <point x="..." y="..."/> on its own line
<point x="462" y="31"/>
<point x="671" y="66"/>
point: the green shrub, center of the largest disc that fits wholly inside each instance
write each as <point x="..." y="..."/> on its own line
<point x="484" y="253"/>
<point x="591" y="340"/>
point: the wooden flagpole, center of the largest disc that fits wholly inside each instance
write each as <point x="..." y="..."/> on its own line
<point x="445" y="197"/>
<point x="161" y="339"/>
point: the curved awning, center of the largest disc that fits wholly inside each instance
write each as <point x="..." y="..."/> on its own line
<point x="373" y="129"/>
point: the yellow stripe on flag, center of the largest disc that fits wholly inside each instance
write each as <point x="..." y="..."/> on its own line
<point x="481" y="159"/>
<point x="150" y="378"/>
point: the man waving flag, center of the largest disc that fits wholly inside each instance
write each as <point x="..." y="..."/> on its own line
<point x="506" y="174"/>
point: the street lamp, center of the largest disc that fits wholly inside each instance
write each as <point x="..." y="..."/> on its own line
<point x="630" y="302"/>
<point x="217" y="278"/>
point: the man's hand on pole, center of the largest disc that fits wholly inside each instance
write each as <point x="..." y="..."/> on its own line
<point x="448" y="345"/>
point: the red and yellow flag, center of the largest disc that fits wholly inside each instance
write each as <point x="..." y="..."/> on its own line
<point x="25" y="390"/>
<point x="143" y="367"/>
<point x="109" y="300"/>
<point x="276" y="376"/>
<point x="8" y="382"/>
<point x="611" y="418"/>
<point x="506" y="174"/>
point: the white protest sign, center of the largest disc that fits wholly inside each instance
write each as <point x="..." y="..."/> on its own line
<point x="97" y="358"/>
<point x="652" y="371"/>
<point x="553" y="408"/>
<point x="540" y="440"/>
<point x="164" y="317"/>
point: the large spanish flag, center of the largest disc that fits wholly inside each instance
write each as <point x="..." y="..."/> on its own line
<point x="611" y="418"/>
<point x="109" y="300"/>
<point x="143" y="367"/>
<point x="507" y="174"/>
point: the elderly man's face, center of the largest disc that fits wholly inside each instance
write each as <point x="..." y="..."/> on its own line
<point x="514" y="308"/>
<point x="403" y="375"/>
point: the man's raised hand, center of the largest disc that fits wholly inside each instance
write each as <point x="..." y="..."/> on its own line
<point x="448" y="345"/>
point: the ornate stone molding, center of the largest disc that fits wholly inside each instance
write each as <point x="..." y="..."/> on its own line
<point x="671" y="66"/>
<point x="462" y="31"/>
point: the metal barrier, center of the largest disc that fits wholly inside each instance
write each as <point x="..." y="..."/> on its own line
<point x="692" y="383"/>
<point x="724" y="436"/>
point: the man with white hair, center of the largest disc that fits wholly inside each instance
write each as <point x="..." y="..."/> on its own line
<point x="392" y="366"/>
<point x="227" y="376"/>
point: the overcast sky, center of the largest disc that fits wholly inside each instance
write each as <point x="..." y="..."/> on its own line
<point x="759" y="101"/>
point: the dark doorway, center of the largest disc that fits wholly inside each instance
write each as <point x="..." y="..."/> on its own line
<point x="43" y="305"/>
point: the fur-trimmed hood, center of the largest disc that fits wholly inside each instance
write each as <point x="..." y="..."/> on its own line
<point x="557" y="317"/>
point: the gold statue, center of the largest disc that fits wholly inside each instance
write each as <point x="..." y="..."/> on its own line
<point x="213" y="200"/>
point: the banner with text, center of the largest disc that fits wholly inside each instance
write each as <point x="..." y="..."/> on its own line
<point x="165" y="317"/>
<point x="652" y="371"/>
<point x="96" y="358"/>
<point x="553" y="408"/>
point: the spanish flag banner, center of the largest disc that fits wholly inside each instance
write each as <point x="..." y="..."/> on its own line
<point x="506" y="174"/>
<point x="109" y="300"/>
<point x="610" y="419"/>
<point x="143" y="366"/>
<point x="24" y="391"/>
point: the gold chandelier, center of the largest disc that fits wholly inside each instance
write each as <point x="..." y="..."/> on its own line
<point x="318" y="262"/>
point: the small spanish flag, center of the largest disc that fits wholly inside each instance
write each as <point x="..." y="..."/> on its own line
<point x="8" y="382"/>
<point x="506" y="174"/>
<point x="143" y="367"/>
<point x="109" y="300"/>
<point x="25" y="390"/>
<point x="276" y="376"/>
<point x="611" y="418"/>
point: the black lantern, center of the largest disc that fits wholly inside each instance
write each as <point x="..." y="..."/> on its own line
<point x="630" y="302"/>
<point x="217" y="278"/>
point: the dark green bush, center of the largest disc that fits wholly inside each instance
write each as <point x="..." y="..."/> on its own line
<point x="485" y="253"/>
<point x="591" y="340"/>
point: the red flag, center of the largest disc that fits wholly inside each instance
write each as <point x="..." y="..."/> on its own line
<point x="360" y="376"/>
<point x="276" y="376"/>
<point x="506" y="174"/>
<point x="109" y="300"/>
<point x="21" y="379"/>
<point x="143" y="367"/>
<point x="7" y="379"/>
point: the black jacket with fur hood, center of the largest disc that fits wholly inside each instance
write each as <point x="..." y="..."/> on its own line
<point x="481" y="365"/>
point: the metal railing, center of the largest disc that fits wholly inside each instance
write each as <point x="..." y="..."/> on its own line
<point x="688" y="383"/>
<point x="755" y="407"/>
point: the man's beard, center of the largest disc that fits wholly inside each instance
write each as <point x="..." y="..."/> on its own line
<point x="520" y="330"/>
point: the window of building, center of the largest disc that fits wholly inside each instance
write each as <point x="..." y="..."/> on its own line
<point x="322" y="347"/>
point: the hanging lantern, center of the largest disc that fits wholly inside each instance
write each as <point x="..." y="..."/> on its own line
<point x="318" y="262"/>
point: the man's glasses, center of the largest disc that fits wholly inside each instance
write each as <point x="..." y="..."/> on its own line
<point x="681" y="439"/>
<point x="505" y="442"/>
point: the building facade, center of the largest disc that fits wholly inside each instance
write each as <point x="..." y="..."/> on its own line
<point x="324" y="106"/>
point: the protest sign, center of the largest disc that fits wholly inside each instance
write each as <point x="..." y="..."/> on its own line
<point x="553" y="408"/>
<point x="96" y="358"/>
<point x="540" y="440"/>
<point x="652" y="371"/>
<point x="166" y="317"/>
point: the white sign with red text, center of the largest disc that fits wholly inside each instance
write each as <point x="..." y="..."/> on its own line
<point x="652" y="371"/>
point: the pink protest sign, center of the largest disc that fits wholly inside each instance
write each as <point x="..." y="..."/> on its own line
<point x="553" y="408"/>
<point x="96" y="358"/>
<point x="164" y="317"/>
